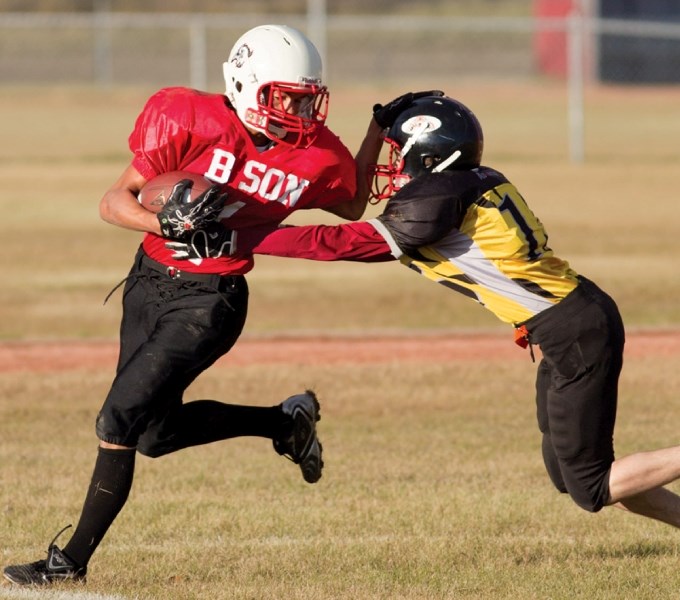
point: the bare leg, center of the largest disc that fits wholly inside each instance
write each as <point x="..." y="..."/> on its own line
<point x="643" y="471"/>
<point x="635" y="484"/>
<point x="660" y="504"/>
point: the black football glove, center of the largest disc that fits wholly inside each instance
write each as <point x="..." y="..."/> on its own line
<point x="179" y="219"/>
<point x="386" y="115"/>
<point x="214" y="241"/>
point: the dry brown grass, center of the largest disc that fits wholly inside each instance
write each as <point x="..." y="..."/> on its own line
<point x="434" y="486"/>
<point x="433" y="489"/>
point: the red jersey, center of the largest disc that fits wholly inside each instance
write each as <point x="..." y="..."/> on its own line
<point x="184" y="129"/>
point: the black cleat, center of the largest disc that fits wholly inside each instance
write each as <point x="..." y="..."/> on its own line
<point x="302" y="445"/>
<point x="56" y="567"/>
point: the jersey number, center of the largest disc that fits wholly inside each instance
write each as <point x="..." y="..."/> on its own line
<point x="508" y="205"/>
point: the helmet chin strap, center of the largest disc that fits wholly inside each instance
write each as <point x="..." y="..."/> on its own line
<point x="279" y="132"/>
<point x="445" y="163"/>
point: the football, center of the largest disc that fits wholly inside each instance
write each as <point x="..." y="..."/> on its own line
<point x="156" y="191"/>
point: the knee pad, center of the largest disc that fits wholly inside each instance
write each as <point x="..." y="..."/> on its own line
<point x="591" y="493"/>
<point x="106" y="433"/>
<point x="151" y="449"/>
<point x="591" y="503"/>
<point x="153" y="445"/>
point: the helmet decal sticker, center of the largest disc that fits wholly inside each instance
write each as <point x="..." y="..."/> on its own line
<point x="415" y="127"/>
<point x="421" y="124"/>
<point x="243" y="53"/>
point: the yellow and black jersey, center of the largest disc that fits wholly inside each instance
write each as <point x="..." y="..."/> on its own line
<point x="473" y="232"/>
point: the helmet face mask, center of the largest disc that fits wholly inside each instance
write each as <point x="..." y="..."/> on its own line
<point x="275" y="118"/>
<point x="432" y="135"/>
<point x="273" y="80"/>
<point x="387" y="179"/>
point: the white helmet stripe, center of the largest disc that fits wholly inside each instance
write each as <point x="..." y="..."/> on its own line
<point x="445" y="163"/>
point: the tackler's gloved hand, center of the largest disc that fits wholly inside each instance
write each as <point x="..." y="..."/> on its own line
<point x="387" y="114"/>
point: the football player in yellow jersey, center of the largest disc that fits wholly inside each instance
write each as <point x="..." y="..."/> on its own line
<point x="467" y="227"/>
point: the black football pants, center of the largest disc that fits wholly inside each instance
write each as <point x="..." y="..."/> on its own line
<point x="171" y="331"/>
<point x="582" y="341"/>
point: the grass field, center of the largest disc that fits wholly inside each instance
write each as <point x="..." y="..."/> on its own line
<point x="434" y="486"/>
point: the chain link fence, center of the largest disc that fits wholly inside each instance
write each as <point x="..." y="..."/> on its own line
<point x="188" y="49"/>
<point x="575" y="51"/>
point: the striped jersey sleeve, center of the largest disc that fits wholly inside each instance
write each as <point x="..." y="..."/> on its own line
<point x="472" y="232"/>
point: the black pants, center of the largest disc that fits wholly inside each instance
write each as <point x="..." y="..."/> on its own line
<point x="582" y="341"/>
<point x="171" y="331"/>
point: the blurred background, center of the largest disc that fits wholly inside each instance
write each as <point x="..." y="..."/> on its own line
<point x="160" y="43"/>
<point x="579" y="101"/>
<point x="175" y="42"/>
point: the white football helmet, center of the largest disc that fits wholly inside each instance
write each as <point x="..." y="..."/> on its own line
<point x="265" y="66"/>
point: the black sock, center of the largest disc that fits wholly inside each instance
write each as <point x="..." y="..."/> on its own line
<point x="206" y="421"/>
<point x="109" y="489"/>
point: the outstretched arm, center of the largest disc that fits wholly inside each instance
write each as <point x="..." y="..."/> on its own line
<point x="358" y="242"/>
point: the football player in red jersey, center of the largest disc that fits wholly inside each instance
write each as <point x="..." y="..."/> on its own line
<point x="267" y="149"/>
<point x="465" y="226"/>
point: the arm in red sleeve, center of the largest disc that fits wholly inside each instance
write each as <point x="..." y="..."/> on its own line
<point x="358" y="242"/>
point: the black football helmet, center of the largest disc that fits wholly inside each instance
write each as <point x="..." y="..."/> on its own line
<point x="433" y="134"/>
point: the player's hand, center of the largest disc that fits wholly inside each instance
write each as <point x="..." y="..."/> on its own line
<point x="386" y="115"/>
<point x="179" y="219"/>
<point x="214" y="241"/>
